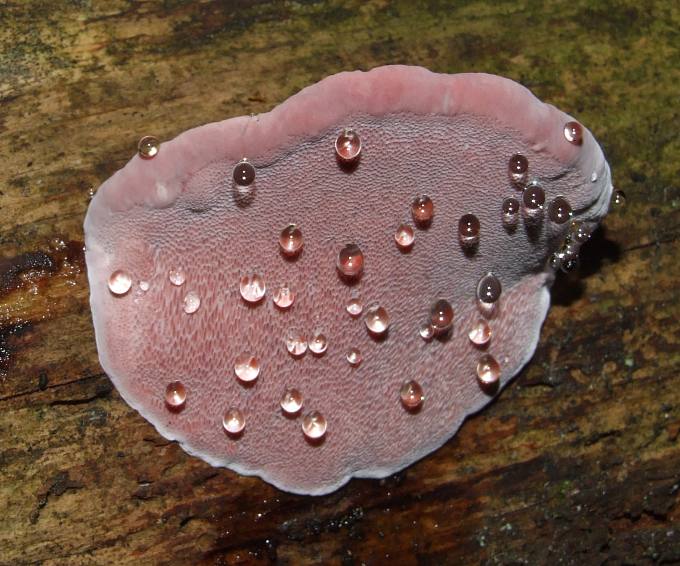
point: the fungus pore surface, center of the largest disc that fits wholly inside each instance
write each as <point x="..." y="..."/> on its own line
<point x="192" y="279"/>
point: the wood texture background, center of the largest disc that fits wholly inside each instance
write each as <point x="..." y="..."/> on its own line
<point x="577" y="462"/>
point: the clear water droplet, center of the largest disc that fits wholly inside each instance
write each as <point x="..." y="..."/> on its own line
<point x="148" y="147"/>
<point x="348" y="145"/>
<point x="489" y="288"/>
<point x="618" y="198"/>
<point x="353" y="356"/>
<point x="244" y="173"/>
<point x="573" y="132"/>
<point x="579" y="232"/>
<point x="120" y="282"/>
<point x="422" y="210"/>
<point x="318" y="344"/>
<point x="468" y="230"/>
<point x="404" y="237"/>
<point x="252" y="287"/>
<point x="290" y="240"/>
<point x="533" y="199"/>
<point x="559" y="210"/>
<point x="510" y="211"/>
<point x="593" y="177"/>
<point x="177" y="276"/>
<point x="354" y="307"/>
<point x="518" y="167"/>
<point x="441" y="316"/>
<point x="175" y="395"/>
<point x="570" y="263"/>
<point x="284" y="297"/>
<point x="233" y="421"/>
<point x="480" y="333"/>
<point x="291" y="401"/>
<point x="314" y="425"/>
<point x="144" y="286"/>
<point x="191" y="302"/>
<point x="411" y="394"/>
<point x="377" y="320"/>
<point x="488" y="370"/>
<point x="296" y="343"/>
<point x="247" y="367"/>
<point x="426" y="331"/>
<point x="350" y="261"/>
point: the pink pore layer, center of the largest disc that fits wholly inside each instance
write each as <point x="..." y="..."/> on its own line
<point x="448" y="136"/>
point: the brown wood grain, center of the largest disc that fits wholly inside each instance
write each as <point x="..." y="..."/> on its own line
<point x="577" y="462"/>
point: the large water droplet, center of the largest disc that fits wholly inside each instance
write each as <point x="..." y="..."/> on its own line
<point x="348" y="145"/>
<point x="480" y="333"/>
<point x="518" y="166"/>
<point x="244" y="173"/>
<point x="177" y="276"/>
<point x="175" y="395"/>
<point x="191" y="302"/>
<point x="618" y="198"/>
<point x="411" y="394"/>
<point x="533" y="199"/>
<point x="296" y="343"/>
<point x="559" y="210"/>
<point x="353" y="356"/>
<point x="247" y="367"/>
<point x="290" y="240"/>
<point x="354" y="307"/>
<point x="573" y="132"/>
<point x="351" y="261"/>
<point x="318" y="343"/>
<point x="488" y="370"/>
<point x="291" y="401"/>
<point x="120" y="282"/>
<point x="441" y="316"/>
<point x="252" y="287"/>
<point x="489" y="288"/>
<point x="510" y="211"/>
<point x="404" y="237"/>
<point x="314" y="425"/>
<point x="422" y="210"/>
<point x="284" y="297"/>
<point x="148" y="147"/>
<point x="377" y="320"/>
<point x="468" y="230"/>
<point x="233" y="421"/>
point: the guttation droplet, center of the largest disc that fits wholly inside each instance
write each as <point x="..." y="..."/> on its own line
<point x="353" y="356"/>
<point x="573" y="132"/>
<point x="404" y="236"/>
<point x="191" y="302"/>
<point x="441" y="316"/>
<point x="559" y="210"/>
<point x="377" y="320"/>
<point x="510" y="211"/>
<point x="296" y="344"/>
<point x="348" y="145"/>
<point x="177" y="276"/>
<point x="252" y="287"/>
<point x="422" y="210"/>
<point x="426" y="331"/>
<point x="246" y="367"/>
<point x="318" y="344"/>
<point x="619" y="198"/>
<point x="244" y="173"/>
<point x="468" y="230"/>
<point x="488" y="370"/>
<point x="518" y="166"/>
<point x="314" y="425"/>
<point x="480" y="333"/>
<point x="489" y="288"/>
<point x="284" y="297"/>
<point x="351" y="261"/>
<point x="148" y="147"/>
<point x="233" y="421"/>
<point x="175" y="395"/>
<point x="411" y="394"/>
<point x="290" y="240"/>
<point x="354" y="307"/>
<point x="291" y="401"/>
<point x="120" y="282"/>
<point x="533" y="199"/>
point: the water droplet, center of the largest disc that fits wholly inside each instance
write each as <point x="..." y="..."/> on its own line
<point x="144" y="286"/>
<point x="377" y="320"/>
<point x="573" y="132"/>
<point x="291" y="401"/>
<point x="148" y="147"/>
<point x="348" y="145"/>
<point x="489" y="288"/>
<point x="533" y="199"/>
<point x="488" y="370"/>
<point x="468" y="230"/>
<point x="244" y="173"/>
<point x="555" y="260"/>
<point x="426" y="331"/>
<point x="177" y="276"/>
<point x="291" y="240"/>
<point x="351" y="261"/>
<point x="175" y="395"/>
<point x="233" y="421"/>
<point x="570" y="263"/>
<point x="422" y="210"/>
<point x="318" y="344"/>
<point x="618" y="198"/>
<point x="593" y="177"/>
<point x="191" y="302"/>
<point x="314" y="425"/>
<point x="353" y="356"/>
<point x="404" y="236"/>
<point x="120" y="282"/>
<point x="518" y="166"/>
<point x="579" y="232"/>
<point x="246" y="367"/>
<point x="411" y="394"/>
<point x="252" y="287"/>
<point x="354" y="307"/>
<point x="296" y="344"/>
<point x="441" y="316"/>
<point x="559" y="210"/>
<point x="284" y="297"/>
<point x="510" y="211"/>
<point x="480" y="333"/>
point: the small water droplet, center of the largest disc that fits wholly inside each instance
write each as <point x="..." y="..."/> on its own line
<point x="518" y="167"/>
<point x="233" y="421"/>
<point x="573" y="132"/>
<point x="593" y="177"/>
<point x="290" y="240"/>
<point x="555" y="260"/>
<point x="559" y="210"/>
<point x="488" y="370"/>
<point x="354" y="307"/>
<point x="570" y="263"/>
<point x="618" y="198"/>
<point x="350" y="261"/>
<point x="175" y="395"/>
<point x="377" y="320"/>
<point x="510" y="211"/>
<point x="120" y="282"/>
<point x="533" y="199"/>
<point x="468" y="230"/>
<point x="422" y="210"/>
<point x="247" y="367"/>
<point x="144" y="286"/>
<point x="291" y="401"/>
<point x="441" y="316"/>
<point x="480" y="333"/>
<point x="314" y="425"/>
<point x="296" y="344"/>
<point x="148" y="147"/>
<point x="411" y="394"/>
<point x="284" y="297"/>
<point x="353" y="356"/>
<point x="318" y="343"/>
<point x="426" y="331"/>
<point x="243" y="173"/>
<point x="404" y="237"/>
<point x="489" y="288"/>
<point x="177" y="276"/>
<point x="191" y="302"/>
<point x="579" y="232"/>
<point x="252" y="287"/>
<point x="348" y="145"/>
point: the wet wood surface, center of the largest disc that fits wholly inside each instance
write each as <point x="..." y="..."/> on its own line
<point x="578" y="460"/>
